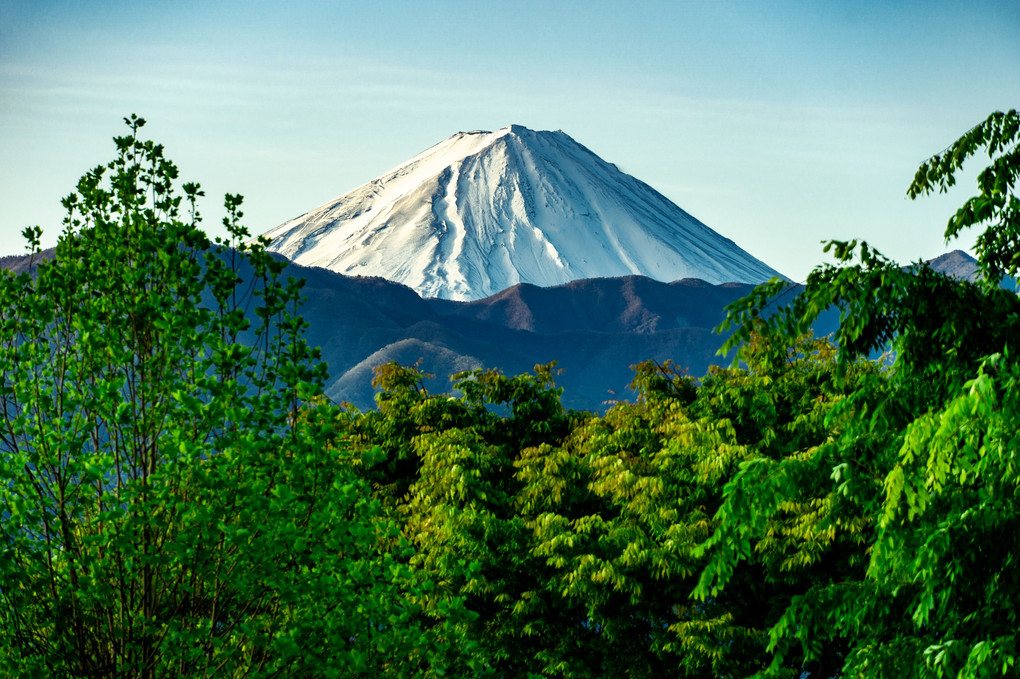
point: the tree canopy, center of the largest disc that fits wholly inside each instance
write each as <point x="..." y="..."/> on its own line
<point x="180" y="499"/>
<point x="926" y="454"/>
<point x="170" y="503"/>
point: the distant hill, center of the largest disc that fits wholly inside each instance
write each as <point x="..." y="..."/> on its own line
<point x="22" y="263"/>
<point x="962" y="266"/>
<point x="957" y="264"/>
<point x="596" y="328"/>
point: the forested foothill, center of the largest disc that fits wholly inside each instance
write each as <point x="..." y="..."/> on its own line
<point x="179" y="499"/>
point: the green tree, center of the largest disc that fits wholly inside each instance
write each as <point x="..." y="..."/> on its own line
<point x="785" y="537"/>
<point x="926" y="455"/>
<point x="575" y="539"/>
<point x="170" y="504"/>
<point x="446" y="466"/>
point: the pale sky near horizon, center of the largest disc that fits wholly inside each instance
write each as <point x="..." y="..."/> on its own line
<point x="778" y="124"/>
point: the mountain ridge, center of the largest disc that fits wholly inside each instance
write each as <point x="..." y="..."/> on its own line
<point x="596" y="329"/>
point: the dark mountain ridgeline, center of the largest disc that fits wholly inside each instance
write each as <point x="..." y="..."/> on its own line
<point x="595" y="328"/>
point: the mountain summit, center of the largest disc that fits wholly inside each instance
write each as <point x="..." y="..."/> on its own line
<point x="483" y="211"/>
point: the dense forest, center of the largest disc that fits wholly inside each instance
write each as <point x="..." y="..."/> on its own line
<point x="179" y="499"/>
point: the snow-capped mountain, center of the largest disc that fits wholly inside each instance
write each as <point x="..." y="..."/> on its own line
<point x="483" y="211"/>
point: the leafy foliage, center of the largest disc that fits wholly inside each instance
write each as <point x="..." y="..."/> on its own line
<point x="169" y="504"/>
<point x="178" y="497"/>
<point x="996" y="204"/>
<point x="576" y="539"/>
<point x="921" y="460"/>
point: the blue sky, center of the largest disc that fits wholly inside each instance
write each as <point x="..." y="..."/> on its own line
<point x="779" y="124"/>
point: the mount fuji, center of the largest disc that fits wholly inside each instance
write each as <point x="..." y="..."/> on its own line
<point x="483" y="211"/>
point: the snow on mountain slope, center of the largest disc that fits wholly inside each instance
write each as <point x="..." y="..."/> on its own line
<point x="483" y="211"/>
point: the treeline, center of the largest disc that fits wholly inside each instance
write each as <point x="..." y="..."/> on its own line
<point x="576" y="541"/>
<point x="178" y="498"/>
